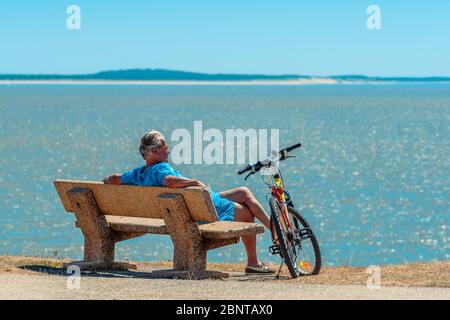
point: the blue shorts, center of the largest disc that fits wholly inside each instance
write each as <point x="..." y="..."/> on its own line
<point x="224" y="207"/>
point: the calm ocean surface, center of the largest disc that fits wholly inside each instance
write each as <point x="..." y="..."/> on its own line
<point x="373" y="176"/>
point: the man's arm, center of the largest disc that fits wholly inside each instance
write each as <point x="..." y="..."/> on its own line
<point x="178" y="182"/>
<point x="115" y="178"/>
<point x="169" y="181"/>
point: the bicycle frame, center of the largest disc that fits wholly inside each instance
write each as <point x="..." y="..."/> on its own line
<point x="276" y="185"/>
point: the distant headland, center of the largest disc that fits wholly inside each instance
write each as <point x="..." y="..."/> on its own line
<point x="167" y="76"/>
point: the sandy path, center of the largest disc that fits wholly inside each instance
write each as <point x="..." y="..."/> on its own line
<point x="35" y="286"/>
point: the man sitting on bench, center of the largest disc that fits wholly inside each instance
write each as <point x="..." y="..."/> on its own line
<point x="237" y="204"/>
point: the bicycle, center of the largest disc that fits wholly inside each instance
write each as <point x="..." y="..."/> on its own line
<point x="295" y="241"/>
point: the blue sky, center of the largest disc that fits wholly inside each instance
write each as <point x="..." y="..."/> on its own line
<point x="274" y="37"/>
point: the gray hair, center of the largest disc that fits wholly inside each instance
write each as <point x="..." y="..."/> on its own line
<point x="151" y="139"/>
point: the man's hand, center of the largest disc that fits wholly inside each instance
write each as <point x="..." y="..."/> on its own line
<point x="199" y="184"/>
<point x="178" y="182"/>
<point x="113" y="179"/>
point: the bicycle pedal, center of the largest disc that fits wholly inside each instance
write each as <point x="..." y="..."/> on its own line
<point x="275" y="249"/>
<point x="304" y="233"/>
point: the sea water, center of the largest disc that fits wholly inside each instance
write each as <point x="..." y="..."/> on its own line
<point x="372" y="176"/>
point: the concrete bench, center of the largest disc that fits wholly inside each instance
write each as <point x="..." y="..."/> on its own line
<point x="107" y="214"/>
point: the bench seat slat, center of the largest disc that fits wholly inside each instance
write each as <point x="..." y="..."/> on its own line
<point x="229" y="229"/>
<point x="214" y="230"/>
<point x="140" y="225"/>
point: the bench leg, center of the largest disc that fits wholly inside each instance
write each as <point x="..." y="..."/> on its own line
<point x="189" y="257"/>
<point x="98" y="240"/>
<point x="98" y="249"/>
<point x="189" y="246"/>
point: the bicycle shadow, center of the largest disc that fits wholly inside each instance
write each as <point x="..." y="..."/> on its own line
<point x="256" y="277"/>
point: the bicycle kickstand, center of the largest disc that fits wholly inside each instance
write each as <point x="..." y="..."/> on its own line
<point x="279" y="270"/>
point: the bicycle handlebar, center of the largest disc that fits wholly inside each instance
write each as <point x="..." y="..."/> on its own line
<point x="248" y="167"/>
<point x="257" y="166"/>
<point x="295" y="146"/>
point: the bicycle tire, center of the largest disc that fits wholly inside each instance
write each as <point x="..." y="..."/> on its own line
<point x="285" y="246"/>
<point x="313" y="240"/>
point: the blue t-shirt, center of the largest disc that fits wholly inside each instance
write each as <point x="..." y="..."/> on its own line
<point x="154" y="175"/>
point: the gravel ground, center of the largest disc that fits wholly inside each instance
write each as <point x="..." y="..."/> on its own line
<point x="21" y="286"/>
<point x="39" y="278"/>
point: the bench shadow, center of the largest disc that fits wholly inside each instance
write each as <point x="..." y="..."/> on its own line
<point x="60" y="271"/>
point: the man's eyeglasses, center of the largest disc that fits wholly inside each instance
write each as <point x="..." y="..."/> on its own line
<point x="165" y="147"/>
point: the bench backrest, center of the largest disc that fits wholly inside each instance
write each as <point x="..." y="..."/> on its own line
<point x="136" y="201"/>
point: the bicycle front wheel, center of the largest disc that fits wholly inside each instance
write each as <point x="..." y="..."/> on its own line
<point x="299" y="247"/>
<point x="285" y="238"/>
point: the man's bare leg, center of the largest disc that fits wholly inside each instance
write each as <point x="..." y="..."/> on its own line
<point x="242" y="214"/>
<point x="245" y="197"/>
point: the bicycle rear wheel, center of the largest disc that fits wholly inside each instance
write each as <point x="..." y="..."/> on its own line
<point x="308" y="259"/>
